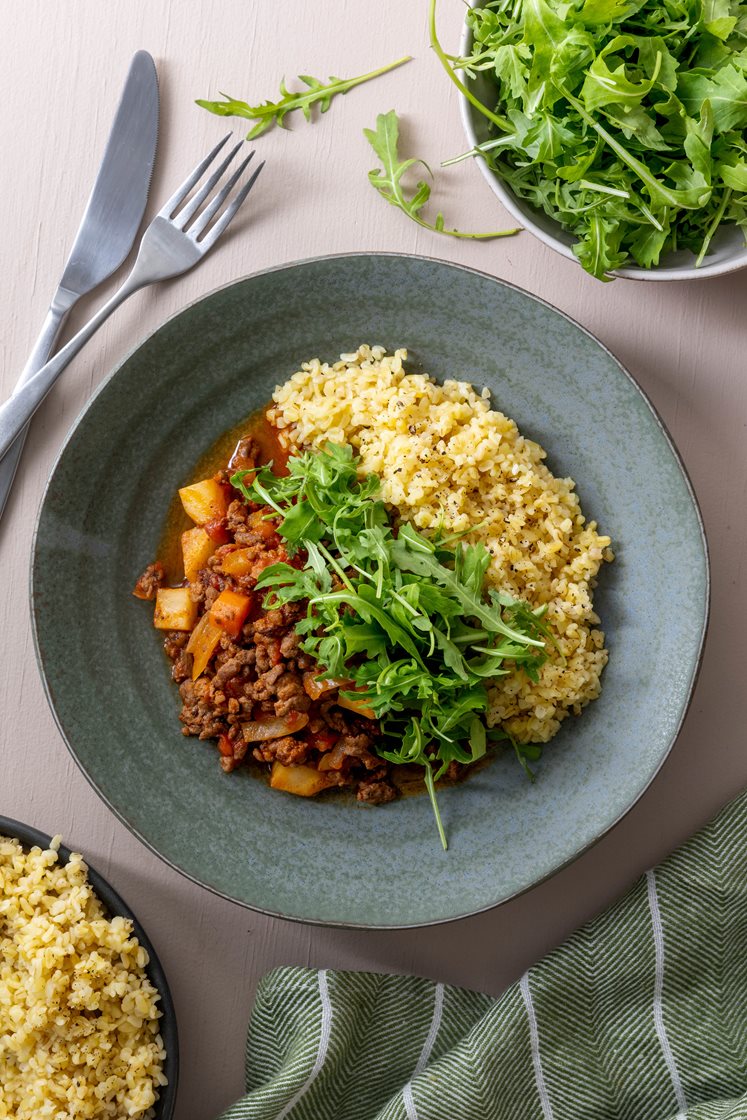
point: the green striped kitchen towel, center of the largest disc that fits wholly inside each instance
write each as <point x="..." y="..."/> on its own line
<point x="640" y="1015"/>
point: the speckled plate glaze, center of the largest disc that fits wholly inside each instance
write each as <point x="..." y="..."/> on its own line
<point x="114" y="905"/>
<point x="331" y="860"/>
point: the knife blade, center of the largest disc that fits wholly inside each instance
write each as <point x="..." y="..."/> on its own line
<point x="110" y="222"/>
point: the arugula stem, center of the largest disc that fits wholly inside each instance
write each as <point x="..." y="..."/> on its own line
<point x="620" y="150"/>
<point x="500" y="122"/>
<point x="335" y="566"/>
<point x="430" y="785"/>
<point x="715" y="223"/>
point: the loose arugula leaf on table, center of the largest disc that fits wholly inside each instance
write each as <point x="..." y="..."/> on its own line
<point x="388" y="180"/>
<point x="623" y="120"/>
<point x="269" y="113"/>
<point x="407" y="619"/>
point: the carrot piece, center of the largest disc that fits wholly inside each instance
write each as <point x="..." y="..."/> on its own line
<point x="225" y="746"/>
<point x="259" y="524"/>
<point x="229" y="611"/>
<point x="238" y="562"/>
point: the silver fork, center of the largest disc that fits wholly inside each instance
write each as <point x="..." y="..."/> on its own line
<point x="176" y="239"/>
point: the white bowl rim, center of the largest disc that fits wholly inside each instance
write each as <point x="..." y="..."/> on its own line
<point x="508" y="199"/>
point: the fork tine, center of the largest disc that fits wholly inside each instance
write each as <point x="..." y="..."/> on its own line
<point x="183" y="216"/>
<point x="202" y="222"/>
<point x="225" y="219"/>
<point x="182" y="192"/>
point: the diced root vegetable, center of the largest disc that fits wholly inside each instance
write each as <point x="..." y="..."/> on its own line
<point x="238" y="562"/>
<point x="257" y="731"/>
<point x="259" y="524"/>
<point x="175" y="609"/>
<point x="202" y="643"/>
<point x="230" y="611"/>
<point x="204" y="501"/>
<point x="303" y="781"/>
<point x="358" y="706"/>
<point x="315" y="688"/>
<point x="197" y="548"/>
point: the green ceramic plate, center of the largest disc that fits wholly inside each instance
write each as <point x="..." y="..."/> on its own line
<point x="334" y="861"/>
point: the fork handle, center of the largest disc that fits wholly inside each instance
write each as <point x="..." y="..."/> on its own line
<point x="18" y="409"/>
<point x="55" y="317"/>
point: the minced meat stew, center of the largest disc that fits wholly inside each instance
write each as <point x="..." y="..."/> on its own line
<point x="242" y="678"/>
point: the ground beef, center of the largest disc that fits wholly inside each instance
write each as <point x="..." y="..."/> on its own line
<point x="291" y="696"/>
<point x="181" y="670"/>
<point x="199" y="713"/>
<point x="259" y="674"/>
<point x="357" y="747"/>
<point x="233" y="667"/>
<point x="455" y="771"/>
<point x="289" y="750"/>
<point x="245" y="456"/>
<point x="375" y="791"/>
<point x="174" y="642"/>
<point x="149" y="582"/>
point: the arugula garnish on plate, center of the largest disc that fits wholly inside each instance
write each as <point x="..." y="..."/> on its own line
<point x="409" y="619"/>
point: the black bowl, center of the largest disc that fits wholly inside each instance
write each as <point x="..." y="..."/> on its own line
<point x="115" y="906"/>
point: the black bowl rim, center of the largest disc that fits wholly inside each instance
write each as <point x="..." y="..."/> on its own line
<point x="394" y="256"/>
<point x="28" y="836"/>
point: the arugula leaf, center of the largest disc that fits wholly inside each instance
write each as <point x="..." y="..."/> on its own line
<point x="408" y="619"/>
<point x="623" y="120"/>
<point x="269" y="113"/>
<point x="388" y="180"/>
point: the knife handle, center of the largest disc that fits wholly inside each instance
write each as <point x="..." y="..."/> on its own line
<point x="58" y="312"/>
<point x="17" y="411"/>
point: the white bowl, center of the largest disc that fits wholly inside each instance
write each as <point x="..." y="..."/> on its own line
<point x="728" y="251"/>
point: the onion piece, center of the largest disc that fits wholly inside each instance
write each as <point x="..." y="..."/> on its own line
<point x="303" y="781"/>
<point x="256" y="731"/>
<point x="358" y="706"/>
<point x="315" y="688"/>
<point x="202" y="642"/>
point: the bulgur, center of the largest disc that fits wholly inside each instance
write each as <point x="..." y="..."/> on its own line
<point x="78" y="1016"/>
<point x="446" y="457"/>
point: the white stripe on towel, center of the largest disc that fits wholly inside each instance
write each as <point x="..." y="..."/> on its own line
<point x="539" y="1076"/>
<point x="425" y="1053"/>
<point x="661" y="1032"/>
<point x="322" y="1049"/>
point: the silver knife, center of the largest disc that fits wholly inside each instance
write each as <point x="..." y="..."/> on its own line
<point x="110" y="222"/>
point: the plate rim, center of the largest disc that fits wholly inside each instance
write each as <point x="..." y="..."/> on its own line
<point x="598" y="834"/>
